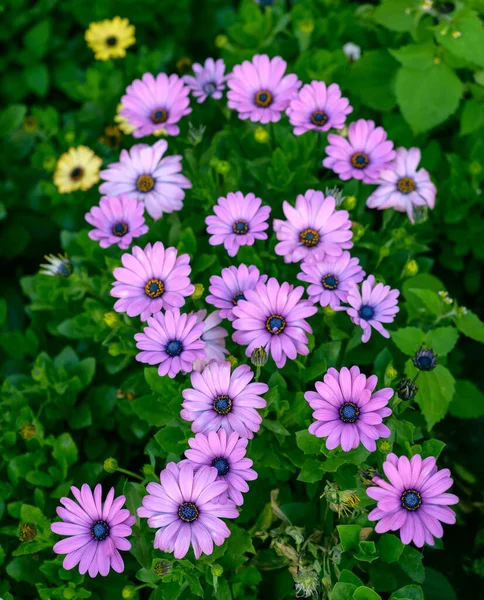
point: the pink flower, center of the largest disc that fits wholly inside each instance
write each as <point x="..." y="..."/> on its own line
<point x="183" y="510"/>
<point x="239" y="220"/>
<point x="259" y="90"/>
<point x="152" y="279"/>
<point x="363" y="156"/>
<point x="318" y="107"/>
<point x="96" y="531"/>
<point x="313" y="229"/>
<point x="403" y="188"/>
<point x="214" y="338"/>
<point x="227" y="290"/>
<point x="331" y="279"/>
<point x="209" y="80"/>
<point x="347" y="411"/>
<point x="156" y="104"/>
<point x="414" y="501"/>
<point x="117" y="220"/>
<point x="374" y="305"/>
<point x="171" y="340"/>
<point x="143" y="174"/>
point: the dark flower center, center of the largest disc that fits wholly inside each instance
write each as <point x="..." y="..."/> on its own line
<point x="154" y="288"/>
<point x="188" y="512"/>
<point x="263" y="98"/>
<point x="349" y="412"/>
<point x="120" y="229"/>
<point x="222" y="465"/>
<point x="360" y="160"/>
<point x="275" y="324"/>
<point x="240" y="227"/>
<point x="209" y="88"/>
<point x="112" y="40"/>
<point x="159" y="115"/>
<point x="366" y="312"/>
<point x="411" y="499"/>
<point x="425" y="360"/>
<point x="100" y="530"/>
<point x="174" y="348"/>
<point x="319" y="118"/>
<point x="222" y="405"/>
<point x="237" y="297"/>
<point x="406" y="185"/>
<point x="330" y="282"/>
<point x="77" y="173"/>
<point x="309" y="237"/>
<point x="145" y="183"/>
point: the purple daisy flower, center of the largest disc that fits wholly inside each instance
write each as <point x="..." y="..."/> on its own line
<point x="273" y="317"/>
<point x="156" y="104"/>
<point x="143" y="174"/>
<point x="183" y="510"/>
<point x="221" y="399"/>
<point x="331" y="279"/>
<point x="228" y="289"/>
<point x="404" y="187"/>
<point x="374" y="305"/>
<point x="117" y="220"/>
<point x="346" y="410"/>
<point x="318" y="107"/>
<point x="363" y="156"/>
<point x="209" y="80"/>
<point x="313" y="229"/>
<point x="214" y="338"/>
<point x="239" y="221"/>
<point x="414" y="501"/>
<point x="259" y="90"/>
<point x="97" y="531"/>
<point x="150" y="280"/>
<point x="225" y="452"/>
<point x="171" y="340"/>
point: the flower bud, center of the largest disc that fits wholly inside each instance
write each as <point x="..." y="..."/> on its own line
<point x="110" y="465"/>
<point x="385" y="447"/>
<point x="306" y="583"/>
<point x="28" y="431"/>
<point x="111" y="319"/>
<point x="28" y="532"/>
<point x="261" y="135"/>
<point x="406" y="389"/>
<point x="129" y="591"/>
<point x="232" y="360"/>
<point x="221" y="41"/>
<point x="217" y="570"/>
<point x="425" y="359"/>
<point x="198" y="293"/>
<point x="350" y="202"/>
<point x="259" y="357"/>
<point x="30" y="124"/>
<point x="411" y="268"/>
<point x="162" y="568"/>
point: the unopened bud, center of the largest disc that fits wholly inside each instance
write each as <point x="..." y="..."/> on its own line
<point x="28" y="431"/>
<point x="110" y="465"/>
<point x="129" y="591"/>
<point x="162" y="568"/>
<point x="349" y="202"/>
<point x="111" y="319"/>
<point x="385" y="447"/>
<point x="221" y="41"/>
<point x="28" y="532"/>
<point x="198" y="293"/>
<point x="232" y="360"/>
<point x="261" y="135"/>
<point x="406" y="389"/>
<point x="259" y="357"/>
<point x="217" y="570"/>
<point x="411" y="268"/>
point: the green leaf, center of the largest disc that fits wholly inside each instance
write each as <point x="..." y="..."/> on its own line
<point x="372" y="79"/>
<point x="469" y="44"/>
<point x="11" y="118"/>
<point x="343" y="591"/>
<point x="415" y="56"/>
<point x="442" y="340"/>
<point x="169" y="439"/>
<point x="308" y="442"/>
<point x="432" y="448"/>
<point x="471" y="326"/>
<point x="468" y="403"/>
<point x="436" y="390"/>
<point x="37" y="37"/>
<point x="349" y="577"/>
<point x="65" y="449"/>
<point x="427" y="97"/>
<point x="425" y="301"/>
<point x="437" y="587"/>
<point x="188" y="242"/>
<point x="389" y="548"/>
<point x="408" y="339"/>
<point x="349" y="536"/>
<point x="311" y="471"/>
<point x="152" y="409"/>
<point x="365" y="593"/>
<point x="411" y="563"/>
<point x="366" y="552"/>
<point x="275" y="427"/>
<point x="37" y="79"/>
<point x="409" y="592"/>
<point x="393" y="15"/>
<point x="472" y="116"/>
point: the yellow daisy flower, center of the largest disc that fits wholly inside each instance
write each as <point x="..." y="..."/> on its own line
<point x="77" y="169"/>
<point x="110" y="38"/>
<point x="123" y="122"/>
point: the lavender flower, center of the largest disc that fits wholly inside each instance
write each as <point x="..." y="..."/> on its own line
<point x="209" y="80"/>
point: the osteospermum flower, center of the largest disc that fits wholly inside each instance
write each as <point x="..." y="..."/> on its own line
<point x="425" y="359"/>
<point x="221" y="399"/>
<point x="363" y="155"/>
<point x="331" y="279"/>
<point x="209" y="80"/>
<point x="122" y="121"/>
<point x="117" y="221"/>
<point x="227" y="454"/>
<point x="214" y="338"/>
<point x="97" y="531"/>
<point x="226" y="290"/>
<point x="374" y="305"/>
<point x="318" y="107"/>
<point x="183" y="510"/>
<point x="150" y="280"/>
<point x="142" y="173"/>
<point x="259" y="90"/>
<point x="346" y="410"/>
<point x="312" y="229"/>
<point x="403" y="187"/>
<point x="154" y="104"/>
<point x="57" y="266"/>
<point x="77" y="169"/>
<point x="110" y="38"/>
<point x="171" y="340"/>
<point x="239" y="220"/>
<point x="273" y="316"/>
<point x="414" y="501"/>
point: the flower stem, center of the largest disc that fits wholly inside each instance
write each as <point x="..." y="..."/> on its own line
<point x="126" y="472"/>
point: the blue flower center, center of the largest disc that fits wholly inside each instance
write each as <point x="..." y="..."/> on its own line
<point x="188" y="512"/>
<point x="360" y="160"/>
<point x="263" y="98"/>
<point x="100" y="530"/>
<point x="174" y="348"/>
<point x="349" y="412"/>
<point x="159" y="116"/>
<point x="222" y="405"/>
<point x="222" y="465"/>
<point x="209" y="88"/>
<point x="240" y="227"/>
<point x="120" y="229"/>
<point x="64" y="270"/>
<point x="330" y="282"/>
<point x="319" y="118"/>
<point x="237" y="297"/>
<point x="309" y="237"/>
<point x="425" y="361"/>
<point x="411" y="499"/>
<point x="275" y="324"/>
<point x="366" y="312"/>
<point x="112" y="40"/>
<point x="154" y="288"/>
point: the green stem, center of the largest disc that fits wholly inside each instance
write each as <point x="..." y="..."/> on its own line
<point x="257" y="373"/>
<point x="126" y="472"/>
